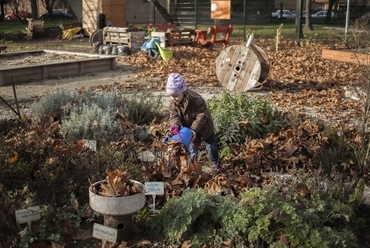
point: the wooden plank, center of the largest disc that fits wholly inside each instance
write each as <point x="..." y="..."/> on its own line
<point x="67" y="69"/>
<point x="116" y="29"/>
<point x="117" y="40"/>
<point x="174" y="42"/>
<point x="2" y="78"/>
<point x="345" y="56"/>
<point x="95" y="66"/>
<point x="22" y="75"/>
<point x="137" y="37"/>
<point x="135" y="44"/>
<point x="162" y="27"/>
<point x="155" y="34"/>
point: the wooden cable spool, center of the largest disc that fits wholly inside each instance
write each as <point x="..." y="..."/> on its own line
<point x="239" y="68"/>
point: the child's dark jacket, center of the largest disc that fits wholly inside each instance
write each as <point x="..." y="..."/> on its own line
<point x="194" y="114"/>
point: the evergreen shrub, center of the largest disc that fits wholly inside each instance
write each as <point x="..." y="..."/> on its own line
<point x="297" y="213"/>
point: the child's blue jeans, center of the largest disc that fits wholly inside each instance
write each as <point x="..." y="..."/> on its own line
<point x="212" y="150"/>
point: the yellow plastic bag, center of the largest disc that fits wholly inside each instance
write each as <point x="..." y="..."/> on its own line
<point x="69" y="33"/>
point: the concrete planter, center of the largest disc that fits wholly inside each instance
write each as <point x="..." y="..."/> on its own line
<point x="118" y="211"/>
<point x="115" y="206"/>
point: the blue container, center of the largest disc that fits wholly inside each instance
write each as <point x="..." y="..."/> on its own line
<point x="184" y="136"/>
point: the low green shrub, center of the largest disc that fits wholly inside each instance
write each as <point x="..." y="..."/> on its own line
<point x="91" y="122"/>
<point x="66" y="219"/>
<point x="52" y="103"/>
<point x="142" y="108"/>
<point x="305" y="215"/>
<point x="91" y="114"/>
<point x="237" y="117"/>
<point x="337" y="152"/>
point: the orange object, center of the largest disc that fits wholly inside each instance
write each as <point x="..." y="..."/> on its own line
<point x="162" y="27"/>
<point x="202" y="39"/>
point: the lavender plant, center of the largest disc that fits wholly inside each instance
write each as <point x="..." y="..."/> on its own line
<point x="53" y="103"/>
<point x="91" y="122"/>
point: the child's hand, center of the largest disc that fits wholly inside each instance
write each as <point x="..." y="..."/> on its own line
<point x="173" y="130"/>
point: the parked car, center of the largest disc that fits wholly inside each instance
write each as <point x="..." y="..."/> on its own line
<point x="321" y="15"/>
<point x="303" y="13"/>
<point x="22" y="14"/>
<point x="287" y="14"/>
<point x="57" y="14"/>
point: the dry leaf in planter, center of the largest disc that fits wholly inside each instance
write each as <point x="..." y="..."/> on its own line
<point x="117" y="184"/>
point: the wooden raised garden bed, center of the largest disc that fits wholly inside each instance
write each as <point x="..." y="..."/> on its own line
<point x="70" y="64"/>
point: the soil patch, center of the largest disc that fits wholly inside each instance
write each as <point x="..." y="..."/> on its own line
<point x="27" y="59"/>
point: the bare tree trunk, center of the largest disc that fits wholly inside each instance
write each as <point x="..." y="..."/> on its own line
<point x="2" y="13"/>
<point x="330" y="9"/>
<point x="34" y="9"/>
<point x="308" y="23"/>
<point x="298" y="19"/>
<point x="49" y="4"/>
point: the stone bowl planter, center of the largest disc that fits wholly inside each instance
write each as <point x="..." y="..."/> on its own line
<point x="116" y="206"/>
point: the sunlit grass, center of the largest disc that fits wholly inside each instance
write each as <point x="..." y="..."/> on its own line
<point x="288" y="30"/>
<point x="321" y="30"/>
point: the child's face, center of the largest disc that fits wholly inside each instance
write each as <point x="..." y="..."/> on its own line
<point x="177" y="97"/>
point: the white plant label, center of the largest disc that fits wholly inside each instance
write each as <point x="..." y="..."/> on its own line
<point x="154" y="188"/>
<point x="27" y="215"/>
<point x="104" y="233"/>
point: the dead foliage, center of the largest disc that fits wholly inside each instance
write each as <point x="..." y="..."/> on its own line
<point x="117" y="184"/>
<point x="306" y="88"/>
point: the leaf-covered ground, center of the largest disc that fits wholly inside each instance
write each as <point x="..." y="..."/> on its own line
<point x="306" y="88"/>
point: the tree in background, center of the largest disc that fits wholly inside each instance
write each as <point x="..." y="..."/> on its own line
<point x="2" y="9"/>
<point x="332" y="3"/>
<point x="49" y="5"/>
<point x="308" y="24"/>
<point x="34" y="9"/>
<point x="17" y="8"/>
<point x="298" y="20"/>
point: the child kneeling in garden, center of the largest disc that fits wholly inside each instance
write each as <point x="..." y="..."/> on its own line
<point x="189" y="109"/>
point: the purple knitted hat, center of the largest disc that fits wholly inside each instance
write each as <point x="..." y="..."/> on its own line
<point x="175" y="84"/>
